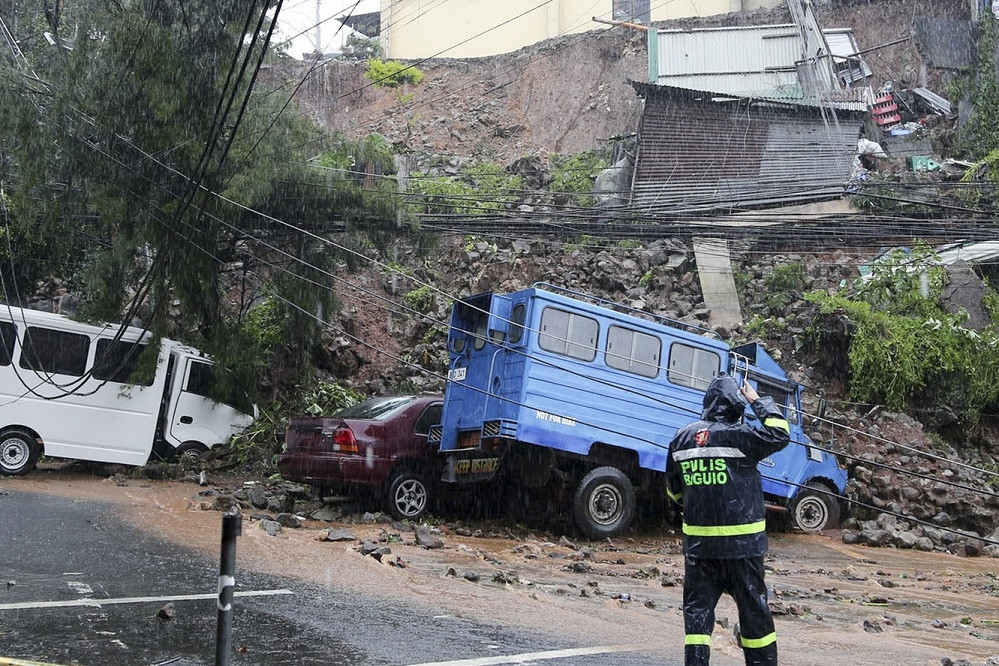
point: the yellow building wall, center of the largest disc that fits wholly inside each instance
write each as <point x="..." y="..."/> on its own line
<point x="415" y="29"/>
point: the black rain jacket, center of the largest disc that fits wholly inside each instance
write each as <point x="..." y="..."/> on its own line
<point x="711" y="472"/>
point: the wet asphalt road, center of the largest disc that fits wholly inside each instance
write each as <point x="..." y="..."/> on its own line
<point x="78" y="586"/>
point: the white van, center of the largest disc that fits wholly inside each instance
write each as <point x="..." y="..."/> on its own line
<point x="67" y="391"/>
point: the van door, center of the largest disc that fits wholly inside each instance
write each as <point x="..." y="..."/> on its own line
<point x="193" y="416"/>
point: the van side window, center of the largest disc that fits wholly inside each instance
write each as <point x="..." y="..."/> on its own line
<point x="568" y="334"/>
<point x="517" y="318"/>
<point x="692" y="366"/>
<point x="56" y="352"/>
<point x="8" y="334"/>
<point x="633" y="351"/>
<point x="201" y="378"/>
<point x="115" y="361"/>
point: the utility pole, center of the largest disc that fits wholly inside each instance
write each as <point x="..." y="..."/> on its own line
<point x="815" y="48"/>
<point x="319" y="23"/>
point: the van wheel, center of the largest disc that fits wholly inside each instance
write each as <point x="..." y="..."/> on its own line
<point x="407" y="496"/>
<point x="814" y="509"/>
<point x="190" y="453"/>
<point x="19" y="452"/>
<point x="604" y="504"/>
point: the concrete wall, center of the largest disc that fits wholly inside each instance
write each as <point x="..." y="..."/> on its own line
<point x="413" y="29"/>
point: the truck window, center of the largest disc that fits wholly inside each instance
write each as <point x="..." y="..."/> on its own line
<point x="517" y="318"/>
<point x="8" y="334"/>
<point x="479" y="335"/>
<point x="56" y="352"/>
<point x="782" y="398"/>
<point x="692" y="366"/>
<point x="633" y="351"/>
<point x="568" y="334"/>
<point x="115" y="361"/>
<point x="200" y="379"/>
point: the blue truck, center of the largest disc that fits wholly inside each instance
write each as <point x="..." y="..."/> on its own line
<point x="574" y="399"/>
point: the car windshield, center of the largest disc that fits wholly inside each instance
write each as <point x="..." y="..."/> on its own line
<point x="375" y="409"/>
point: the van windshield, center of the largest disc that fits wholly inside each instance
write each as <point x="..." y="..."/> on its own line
<point x="375" y="408"/>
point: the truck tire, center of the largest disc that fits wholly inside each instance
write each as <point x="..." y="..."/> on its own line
<point x="19" y="453"/>
<point x="407" y="495"/>
<point x="604" y="503"/>
<point x="814" y="508"/>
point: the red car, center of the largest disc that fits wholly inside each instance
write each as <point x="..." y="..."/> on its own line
<point x="378" y="445"/>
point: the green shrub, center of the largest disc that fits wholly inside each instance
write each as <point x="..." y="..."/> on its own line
<point x="574" y="174"/>
<point x="480" y="188"/>
<point x="786" y="277"/>
<point x="420" y="299"/>
<point x="905" y="347"/>
<point x="392" y="73"/>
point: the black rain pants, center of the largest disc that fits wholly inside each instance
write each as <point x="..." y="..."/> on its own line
<point x="705" y="580"/>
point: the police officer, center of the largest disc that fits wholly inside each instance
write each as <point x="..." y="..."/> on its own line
<point x="711" y="472"/>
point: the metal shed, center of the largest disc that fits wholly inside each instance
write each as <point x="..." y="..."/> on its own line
<point x="751" y="61"/>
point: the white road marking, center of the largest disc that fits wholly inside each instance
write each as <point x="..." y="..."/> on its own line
<point x="527" y="657"/>
<point x="97" y="603"/>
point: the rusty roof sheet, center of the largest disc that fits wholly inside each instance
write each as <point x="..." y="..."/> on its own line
<point x="699" y="154"/>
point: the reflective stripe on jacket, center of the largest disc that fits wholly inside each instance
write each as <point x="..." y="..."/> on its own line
<point x="712" y="472"/>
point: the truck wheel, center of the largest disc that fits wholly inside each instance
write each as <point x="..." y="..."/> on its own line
<point x="814" y="509"/>
<point x="604" y="504"/>
<point x="407" y="496"/>
<point x="19" y="452"/>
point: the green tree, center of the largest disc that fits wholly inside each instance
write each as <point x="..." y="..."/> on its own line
<point x="139" y="159"/>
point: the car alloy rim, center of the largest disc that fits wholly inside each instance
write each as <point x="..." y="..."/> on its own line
<point x="411" y="497"/>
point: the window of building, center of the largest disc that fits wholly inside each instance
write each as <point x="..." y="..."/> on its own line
<point x="633" y="351"/>
<point x="568" y="333"/>
<point x="692" y="366"/>
<point x="8" y="335"/>
<point x="55" y="352"/>
<point x="633" y="11"/>
<point x="116" y="361"/>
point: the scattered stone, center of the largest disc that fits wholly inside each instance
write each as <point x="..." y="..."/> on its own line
<point x="272" y="527"/>
<point x="872" y="627"/>
<point x="337" y="534"/>
<point x="326" y="514"/>
<point x="427" y="538"/>
<point x="166" y="612"/>
<point x="289" y="520"/>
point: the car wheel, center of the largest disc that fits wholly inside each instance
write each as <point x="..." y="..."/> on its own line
<point x="19" y="452"/>
<point x="604" y="503"/>
<point x="407" y="496"/>
<point x="814" y="509"/>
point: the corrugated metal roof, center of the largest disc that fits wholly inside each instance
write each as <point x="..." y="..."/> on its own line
<point x="697" y="154"/>
<point x="754" y="61"/>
